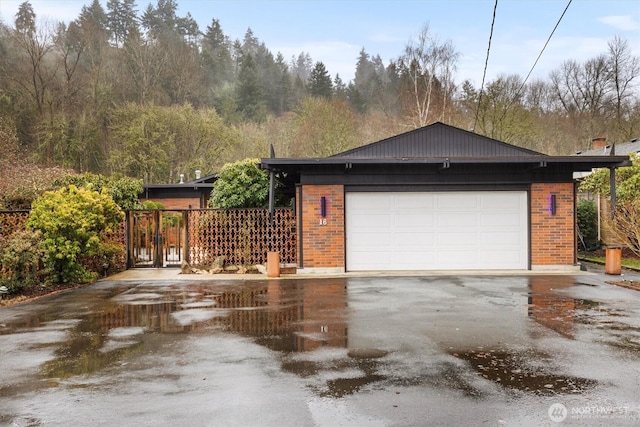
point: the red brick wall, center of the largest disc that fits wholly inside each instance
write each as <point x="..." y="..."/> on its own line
<point x="322" y="241"/>
<point x="552" y="236"/>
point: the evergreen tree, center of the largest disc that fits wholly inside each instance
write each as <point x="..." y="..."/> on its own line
<point x="216" y="54"/>
<point x="320" y="82"/>
<point x="249" y="93"/>
<point x="25" y="21"/>
<point x="285" y="89"/>
<point x="121" y="18"/>
<point x="301" y="66"/>
<point x="339" y="88"/>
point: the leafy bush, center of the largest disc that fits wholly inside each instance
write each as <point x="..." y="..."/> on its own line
<point x="124" y="191"/>
<point x="241" y="185"/>
<point x="21" y="256"/>
<point x="588" y="223"/>
<point x="151" y="205"/>
<point x="71" y="221"/>
<point x="110" y="254"/>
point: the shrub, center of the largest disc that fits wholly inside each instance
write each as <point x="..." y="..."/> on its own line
<point x="241" y="185"/>
<point x="124" y="191"/>
<point x="21" y="259"/>
<point x="588" y="223"/>
<point x="71" y="221"/>
<point x="625" y="225"/>
<point x="110" y="254"/>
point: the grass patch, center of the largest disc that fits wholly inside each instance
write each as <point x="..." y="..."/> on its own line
<point x="632" y="263"/>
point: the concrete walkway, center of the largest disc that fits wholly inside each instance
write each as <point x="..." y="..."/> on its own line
<point x="176" y="275"/>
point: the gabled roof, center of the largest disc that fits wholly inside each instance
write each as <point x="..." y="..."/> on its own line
<point x="437" y="140"/>
<point x="624" y="148"/>
<point x="444" y="145"/>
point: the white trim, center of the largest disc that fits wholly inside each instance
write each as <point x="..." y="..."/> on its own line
<point x="555" y="267"/>
<point x="321" y="270"/>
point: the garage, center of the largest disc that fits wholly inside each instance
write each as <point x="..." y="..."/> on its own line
<point x="436" y="231"/>
<point x="436" y="198"/>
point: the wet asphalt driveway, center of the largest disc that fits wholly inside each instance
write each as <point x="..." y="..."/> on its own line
<point x="368" y="351"/>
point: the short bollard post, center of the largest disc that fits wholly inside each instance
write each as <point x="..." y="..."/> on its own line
<point x="273" y="264"/>
<point x="613" y="261"/>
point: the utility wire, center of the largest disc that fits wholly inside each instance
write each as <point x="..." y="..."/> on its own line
<point x="486" y="62"/>
<point x="504" y="113"/>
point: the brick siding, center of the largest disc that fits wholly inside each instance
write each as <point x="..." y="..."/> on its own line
<point x="552" y="236"/>
<point x="322" y="244"/>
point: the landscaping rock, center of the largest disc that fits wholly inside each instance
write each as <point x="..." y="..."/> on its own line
<point x="185" y="268"/>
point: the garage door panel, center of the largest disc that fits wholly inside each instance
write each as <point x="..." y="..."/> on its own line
<point x="412" y="260"/>
<point x="371" y="261"/>
<point x="499" y="259"/>
<point x="414" y="221"/>
<point x="500" y="239"/>
<point x="501" y="221"/>
<point x="498" y="203"/>
<point x="436" y="231"/>
<point x="370" y="222"/>
<point x="455" y="202"/>
<point x="457" y="240"/>
<point x="424" y="241"/>
<point x="457" y="220"/>
<point x="457" y="260"/>
<point x="360" y="202"/>
<point x="413" y="201"/>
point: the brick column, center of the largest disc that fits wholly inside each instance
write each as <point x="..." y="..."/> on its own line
<point x="553" y="237"/>
<point x="322" y="238"/>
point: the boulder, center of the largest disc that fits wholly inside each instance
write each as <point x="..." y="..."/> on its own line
<point x="185" y="268"/>
<point x="218" y="262"/>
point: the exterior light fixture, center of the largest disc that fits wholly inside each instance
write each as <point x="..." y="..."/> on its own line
<point x="323" y="206"/>
<point x="552" y="204"/>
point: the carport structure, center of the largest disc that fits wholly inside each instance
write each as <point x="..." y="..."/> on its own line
<point x="436" y="198"/>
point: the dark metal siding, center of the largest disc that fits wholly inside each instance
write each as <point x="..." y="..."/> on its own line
<point x="438" y="140"/>
<point x="433" y="175"/>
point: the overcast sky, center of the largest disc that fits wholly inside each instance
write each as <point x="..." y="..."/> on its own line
<point x="334" y="31"/>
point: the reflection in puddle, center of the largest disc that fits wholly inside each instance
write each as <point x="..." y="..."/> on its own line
<point x="283" y="316"/>
<point x="307" y="323"/>
<point x="551" y="308"/>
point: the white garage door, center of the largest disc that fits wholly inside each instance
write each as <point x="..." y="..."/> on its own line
<point x="436" y="231"/>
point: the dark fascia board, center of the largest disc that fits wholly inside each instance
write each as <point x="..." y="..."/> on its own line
<point x="195" y="184"/>
<point x="577" y="163"/>
<point x="189" y="185"/>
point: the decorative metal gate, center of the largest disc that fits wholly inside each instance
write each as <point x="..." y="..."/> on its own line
<point x="157" y="238"/>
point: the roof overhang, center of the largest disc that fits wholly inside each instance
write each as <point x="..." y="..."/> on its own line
<point x="575" y="163"/>
<point x="189" y="185"/>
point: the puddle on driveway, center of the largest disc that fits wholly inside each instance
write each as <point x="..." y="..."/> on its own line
<point x="512" y="371"/>
<point x="309" y="324"/>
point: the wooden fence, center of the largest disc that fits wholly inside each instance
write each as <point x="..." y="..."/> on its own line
<point x="242" y="236"/>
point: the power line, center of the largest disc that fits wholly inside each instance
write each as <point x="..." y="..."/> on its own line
<point x="486" y="62"/>
<point x="536" y="62"/>
<point x="545" y="45"/>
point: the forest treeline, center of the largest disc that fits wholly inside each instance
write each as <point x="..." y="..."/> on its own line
<point x="125" y="90"/>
